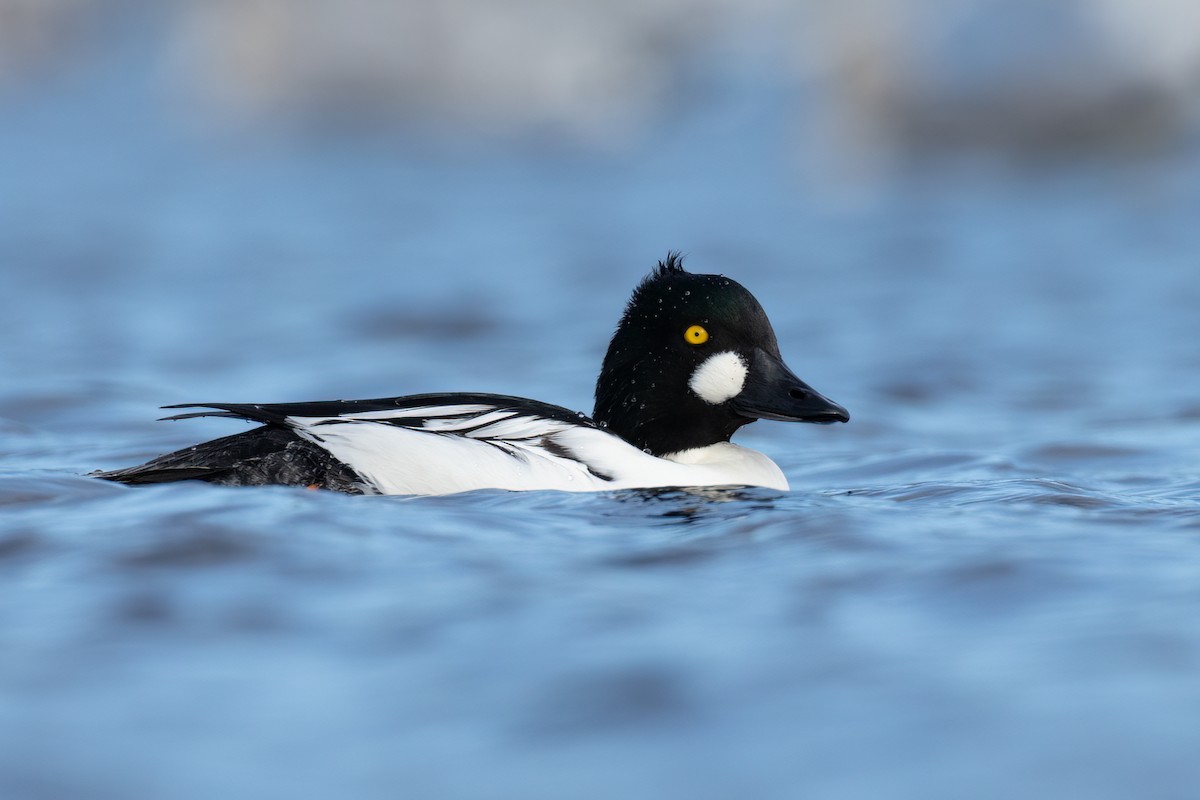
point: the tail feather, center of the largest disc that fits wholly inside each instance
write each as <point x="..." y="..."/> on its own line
<point x="266" y="455"/>
<point x="195" y="414"/>
<point x="146" y="474"/>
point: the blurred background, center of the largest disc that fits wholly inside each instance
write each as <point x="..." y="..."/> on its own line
<point x="300" y="198"/>
<point x="301" y="192"/>
<point x="974" y="224"/>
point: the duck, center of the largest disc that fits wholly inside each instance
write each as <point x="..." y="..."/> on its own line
<point x="693" y="359"/>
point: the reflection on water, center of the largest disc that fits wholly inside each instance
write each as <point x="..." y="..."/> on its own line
<point x="984" y="586"/>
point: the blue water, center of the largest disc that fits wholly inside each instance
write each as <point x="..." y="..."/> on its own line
<point x="985" y="586"/>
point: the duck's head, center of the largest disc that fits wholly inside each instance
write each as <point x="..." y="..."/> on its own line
<point x="693" y="359"/>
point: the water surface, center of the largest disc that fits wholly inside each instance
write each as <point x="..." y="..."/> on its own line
<point x="985" y="585"/>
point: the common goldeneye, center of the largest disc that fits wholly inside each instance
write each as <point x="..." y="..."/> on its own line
<point x="693" y="359"/>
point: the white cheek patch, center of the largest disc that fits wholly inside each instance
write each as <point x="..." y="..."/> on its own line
<point x="719" y="378"/>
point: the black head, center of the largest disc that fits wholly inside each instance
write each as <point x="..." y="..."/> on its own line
<point x="693" y="359"/>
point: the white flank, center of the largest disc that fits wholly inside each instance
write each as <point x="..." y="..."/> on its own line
<point x="719" y="378"/>
<point x="474" y="446"/>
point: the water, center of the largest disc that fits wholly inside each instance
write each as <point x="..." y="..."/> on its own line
<point x="984" y="586"/>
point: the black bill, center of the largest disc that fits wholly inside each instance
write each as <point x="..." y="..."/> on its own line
<point x="773" y="391"/>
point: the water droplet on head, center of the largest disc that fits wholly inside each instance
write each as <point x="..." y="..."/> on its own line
<point x="687" y="292"/>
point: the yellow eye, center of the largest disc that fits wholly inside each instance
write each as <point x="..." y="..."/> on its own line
<point x="696" y="335"/>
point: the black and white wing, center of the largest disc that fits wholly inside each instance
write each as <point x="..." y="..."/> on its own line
<point x="445" y="443"/>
